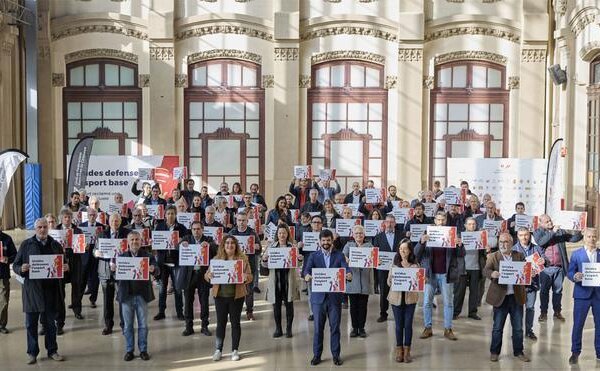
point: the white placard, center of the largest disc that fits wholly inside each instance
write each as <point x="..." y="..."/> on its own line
<point x="79" y="244"/>
<point x="570" y="220"/>
<point x="303" y="172"/>
<point x="327" y="174"/>
<point x="408" y="279"/>
<point x="110" y="248"/>
<point x="283" y="257"/>
<point x="373" y="227"/>
<point x="46" y="266"/>
<point x="180" y="173"/>
<point x="186" y="219"/>
<point x="537" y="263"/>
<point x="156" y="211"/>
<point x="515" y="273"/>
<point x="474" y="240"/>
<point x="227" y="271"/>
<point x="194" y="255"/>
<point x="430" y="208"/>
<point x="494" y="227"/>
<point x="328" y="280"/>
<point x="440" y="236"/>
<point x="63" y="236"/>
<point x="131" y="268"/>
<point x="310" y="241"/>
<point x="343" y="227"/>
<point x="91" y="233"/>
<point x="530" y="222"/>
<point x="375" y="195"/>
<point x="417" y="231"/>
<point x="364" y="257"/>
<point x="165" y="240"/>
<point x="403" y="215"/>
<point x="591" y="274"/>
<point x="247" y="244"/>
<point x="386" y="260"/>
<point x="145" y="173"/>
<point x="216" y="233"/>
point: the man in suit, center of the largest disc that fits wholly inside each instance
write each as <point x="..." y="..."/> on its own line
<point x="89" y="261"/>
<point x="77" y="272"/>
<point x="106" y="275"/>
<point x="388" y="241"/>
<point x="191" y="280"/>
<point x="326" y="191"/>
<point x="584" y="297"/>
<point x="189" y="192"/>
<point x="326" y="305"/>
<point x="442" y="272"/>
<point x="155" y="198"/>
<point x="257" y="198"/>
<point x="506" y="299"/>
<point x="491" y="213"/>
<point x="356" y="196"/>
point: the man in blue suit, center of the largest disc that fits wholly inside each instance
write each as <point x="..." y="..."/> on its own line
<point x="584" y="296"/>
<point x="326" y="305"/>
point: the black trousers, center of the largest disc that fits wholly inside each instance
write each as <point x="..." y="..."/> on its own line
<point x="196" y="286"/>
<point x="384" y="290"/>
<point x="358" y="310"/>
<point x="78" y="281"/>
<point x="108" y="291"/>
<point x="93" y="282"/>
<point x="281" y="298"/>
<point x="232" y="308"/>
<point x="470" y="280"/>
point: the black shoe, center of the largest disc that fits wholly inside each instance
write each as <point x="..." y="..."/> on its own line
<point x="455" y="317"/>
<point x="205" y="331"/>
<point x="354" y="333"/>
<point x="311" y="318"/>
<point x="531" y="335"/>
<point x="305" y="291"/>
<point x="180" y="317"/>
<point x="257" y="290"/>
<point x="128" y="356"/>
<point x="87" y="292"/>
<point x="278" y="333"/>
<point x="315" y="361"/>
<point x="59" y="330"/>
<point x="574" y="359"/>
<point x="288" y="334"/>
<point x="475" y="317"/>
<point x="92" y="304"/>
<point x="159" y="316"/>
<point x="78" y="316"/>
<point x="337" y="361"/>
<point x="70" y="306"/>
<point x="144" y="356"/>
<point x="107" y="331"/>
<point x="362" y="333"/>
<point x="42" y="331"/>
<point x="187" y="332"/>
<point x="4" y="330"/>
<point x="382" y="318"/>
<point x="376" y="291"/>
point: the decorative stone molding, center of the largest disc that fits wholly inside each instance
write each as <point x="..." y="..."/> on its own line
<point x="162" y="53"/>
<point x="223" y="29"/>
<point x="514" y="82"/>
<point x="6" y="47"/>
<point x="472" y="55"/>
<point x="286" y="54"/>
<point x="589" y="50"/>
<point x="533" y="55"/>
<point x="391" y="82"/>
<point x="349" y="30"/>
<point x="101" y="28"/>
<point x="268" y="81"/>
<point x="347" y="54"/>
<point x="473" y="30"/>
<point x="490" y="1"/>
<point x="43" y="52"/>
<point x="332" y="1"/>
<point x="224" y="53"/>
<point x="58" y="80"/>
<point x="181" y="80"/>
<point x="455" y="1"/>
<point x="428" y="82"/>
<point x="582" y="20"/>
<point x="101" y="53"/>
<point x="410" y="54"/>
<point x="143" y="80"/>
<point x="561" y="7"/>
<point x="304" y="81"/>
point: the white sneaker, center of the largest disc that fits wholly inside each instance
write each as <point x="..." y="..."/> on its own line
<point x="235" y="356"/>
<point x="217" y="355"/>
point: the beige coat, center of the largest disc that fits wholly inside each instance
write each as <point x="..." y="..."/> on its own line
<point x="395" y="297"/>
<point x="293" y="293"/>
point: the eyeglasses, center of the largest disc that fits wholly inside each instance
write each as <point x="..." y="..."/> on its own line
<point x="316" y="222"/>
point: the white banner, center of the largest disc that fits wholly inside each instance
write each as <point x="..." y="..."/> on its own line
<point x="328" y="280"/>
<point x="386" y="260"/>
<point x="227" y="271"/>
<point x="9" y="162"/>
<point x="515" y="273"/>
<point x="165" y="240"/>
<point x="193" y="254"/>
<point x="373" y="227"/>
<point x="132" y="268"/>
<point x="364" y="257"/>
<point x="441" y="236"/>
<point x="45" y="266"/>
<point x="408" y="279"/>
<point x="591" y="274"/>
<point x="343" y="227"/>
<point x="310" y="240"/>
<point x="283" y="257"/>
<point x="416" y="231"/>
<point x="109" y="248"/>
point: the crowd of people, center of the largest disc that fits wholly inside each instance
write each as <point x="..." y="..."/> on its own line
<point x="310" y="206"/>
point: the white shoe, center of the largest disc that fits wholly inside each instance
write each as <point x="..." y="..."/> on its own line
<point x="235" y="356"/>
<point x="217" y="355"/>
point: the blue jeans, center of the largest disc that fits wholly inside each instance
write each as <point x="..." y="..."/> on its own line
<point x="137" y="306"/>
<point x="530" y="310"/>
<point x="31" y="324"/>
<point x="581" y="309"/>
<point x="403" y="316"/>
<point x="447" y="290"/>
<point x="509" y="306"/>
<point x="551" y="278"/>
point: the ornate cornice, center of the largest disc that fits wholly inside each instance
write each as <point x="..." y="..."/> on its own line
<point x="347" y="54"/>
<point x="582" y="20"/>
<point x="181" y="80"/>
<point x="391" y="82"/>
<point x="58" y="80"/>
<point x="268" y="81"/>
<point x="143" y="80"/>
<point x="514" y="82"/>
<point x="223" y="29"/>
<point x="472" y="55"/>
<point x="304" y="81"/>
<point x="589" y="50"/>
<point x="348" y="30"/>
<point x="410" y="54"/>
<point x="533" y="55"/>
<point x="101" y="53"/>
<point x="286" y="54"/>
<point x="101" y="28"/>
<point x="224" y="53"/>
<point x="428" y="82"/>
<point x="473" y="30"/>
<point x="162" y="53"/>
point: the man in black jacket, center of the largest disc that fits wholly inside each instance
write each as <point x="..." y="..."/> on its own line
<point x="133" y="297"/>
<point x="41" y="297"/>
<point x="167" y="260"/>
<point x="106" y="275"/>
<point x="9" y="252"/>
<point x="89" y="261"/>
<point x="356" y="196"/>
<point x="155" y="198"/>
<point x="191" y="279"/>
<point x="189" y="193"/>
<point x="387" y="240"/>
<point x="77" y="272"/>
<point x="301" y="191"/>
<point x="312" y="205"/>
<point x="257" y="198"/>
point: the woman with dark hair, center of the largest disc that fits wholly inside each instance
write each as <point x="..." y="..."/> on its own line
<point x="376" y="214"/>
<point x="283" y="283"/>
<point x="236" y="189"/>
<point x="229" y="298"/>
<point x="196" y="206"/>
<point x="329" y="214"/>
<point x="403" y="303"/>
<point x="279" y="213"/>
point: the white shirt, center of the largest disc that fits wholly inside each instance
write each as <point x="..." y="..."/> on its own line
<point x="509" y="288"/>
<point x="592" y="254"/>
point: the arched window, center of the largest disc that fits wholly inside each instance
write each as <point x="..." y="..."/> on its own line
<point x="347" y="121"/>
<point x="224" y="130"/>
<point x="469" y="114"/>
<point x="593" y="142"/>
<point x="102" y="98"/>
